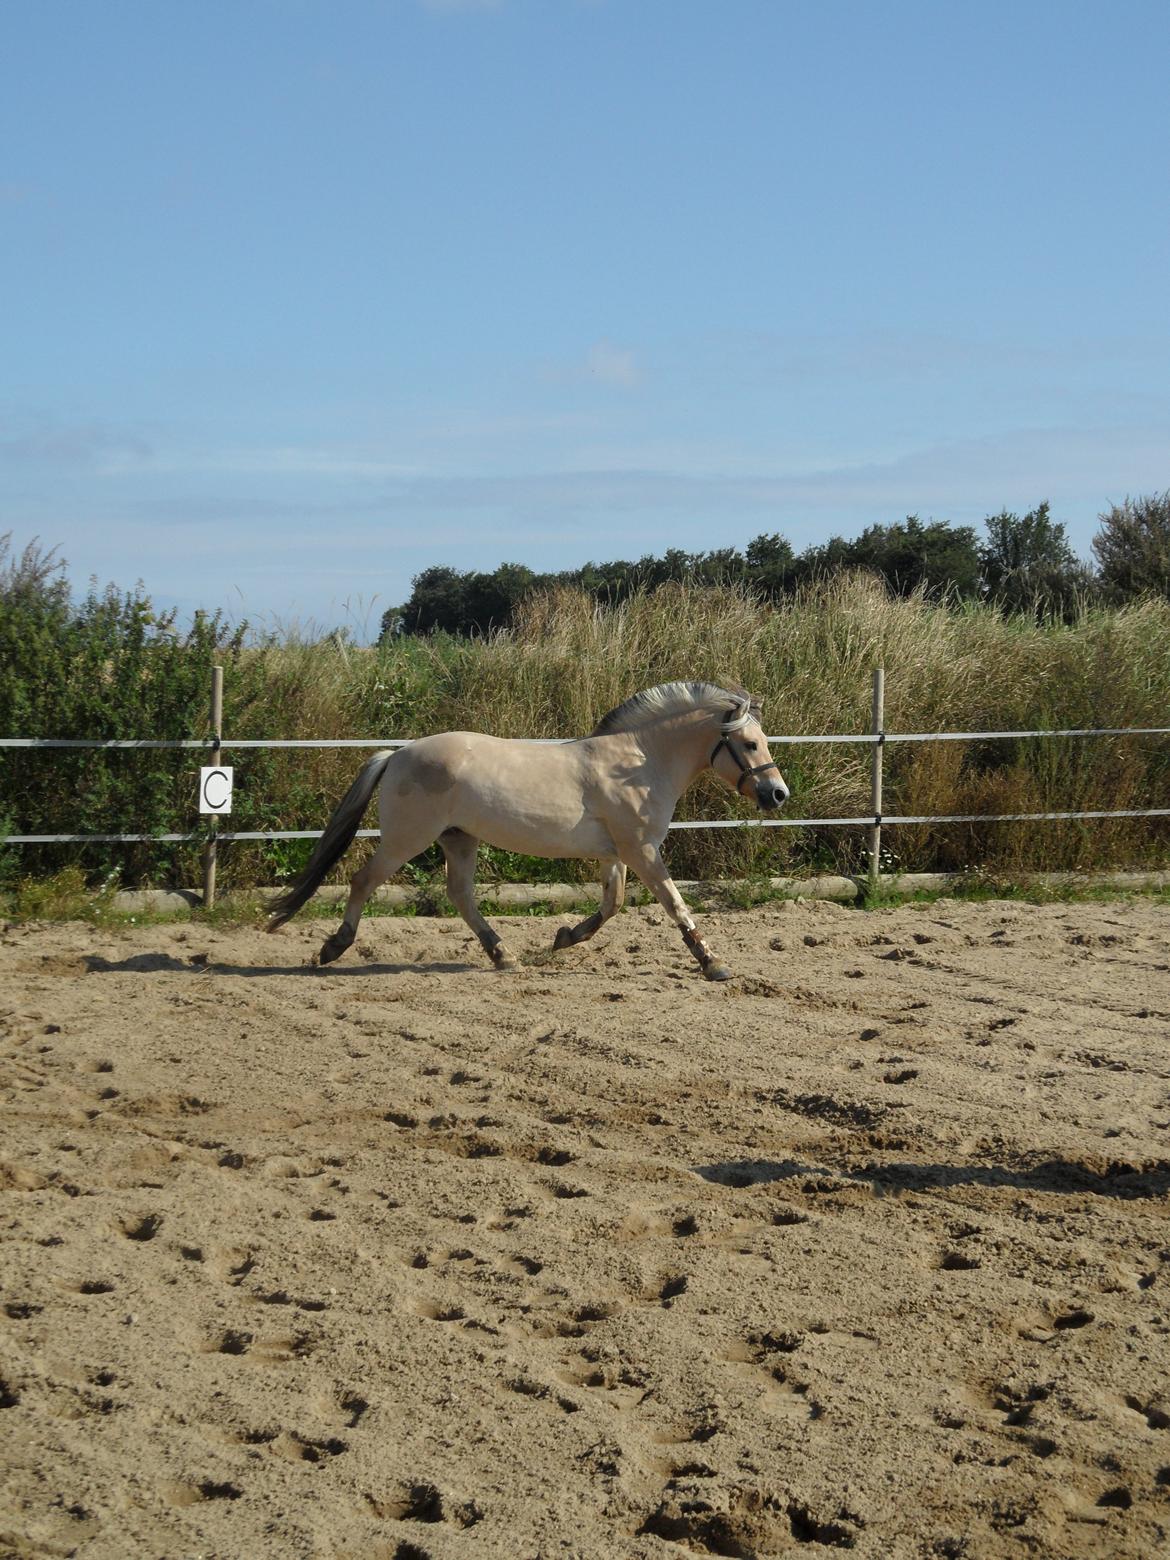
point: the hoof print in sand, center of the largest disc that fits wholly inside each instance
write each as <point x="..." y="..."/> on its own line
<point x="746" y="1524"/>
<point x="422" y="1503"/>
<point x="262" y="1351"/>
<point x="232" y="1342"/>
<point x="208" y="1489"/>
<point x="958" y="1262"/>
<point x="144" y="1228"/>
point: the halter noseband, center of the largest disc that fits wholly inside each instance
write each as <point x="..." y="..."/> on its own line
<point x="737" y="718"/>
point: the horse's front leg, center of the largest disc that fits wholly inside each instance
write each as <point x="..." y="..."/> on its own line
<point x="613" y="895"/>
<point x="646" y="860"/>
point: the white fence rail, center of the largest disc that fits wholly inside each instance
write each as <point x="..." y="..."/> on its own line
<point x="867" y="820"/>
<point x="869" y="738"/>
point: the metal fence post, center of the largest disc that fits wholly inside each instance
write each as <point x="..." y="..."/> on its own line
<point x="875" y="773"/>
<point x="209" y="850"/>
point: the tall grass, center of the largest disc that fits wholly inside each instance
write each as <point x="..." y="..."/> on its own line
<point x="567" y="660"/>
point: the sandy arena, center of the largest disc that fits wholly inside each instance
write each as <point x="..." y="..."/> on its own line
<point x="866" y="1250"/>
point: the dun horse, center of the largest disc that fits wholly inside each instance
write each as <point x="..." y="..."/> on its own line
<point x="609" y="795"/>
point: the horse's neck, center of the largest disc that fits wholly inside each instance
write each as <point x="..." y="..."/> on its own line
<point x="680" y="748"/>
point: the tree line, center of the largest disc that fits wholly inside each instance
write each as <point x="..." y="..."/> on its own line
<point x="1023" y="564"/>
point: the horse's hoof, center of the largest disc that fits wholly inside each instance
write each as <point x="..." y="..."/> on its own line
<point x="329" y="952"/>
<point x="503" y="960"/>
<point x="563" y="939"/>
<point x="717" y="972"/>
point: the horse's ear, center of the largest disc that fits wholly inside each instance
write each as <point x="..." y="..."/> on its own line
<point x="739" y="714"/>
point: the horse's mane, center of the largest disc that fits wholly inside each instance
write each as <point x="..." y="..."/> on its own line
<point x="672" y="698"/>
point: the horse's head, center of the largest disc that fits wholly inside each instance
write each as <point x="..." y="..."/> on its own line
<point x="742" y="746"/>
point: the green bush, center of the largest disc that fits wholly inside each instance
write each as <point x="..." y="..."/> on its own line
<point x="109" y="668"/>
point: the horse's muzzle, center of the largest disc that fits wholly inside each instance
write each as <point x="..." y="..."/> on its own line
<point x="770" y="794"/>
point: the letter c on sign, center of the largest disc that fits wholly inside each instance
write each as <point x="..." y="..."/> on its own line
<point x="215" y="790"/>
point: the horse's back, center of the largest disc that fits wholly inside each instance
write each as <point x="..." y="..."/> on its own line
<point x="432" y="764"/>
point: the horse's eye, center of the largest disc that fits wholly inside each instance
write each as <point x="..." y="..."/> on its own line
<point x="751" y="746"/>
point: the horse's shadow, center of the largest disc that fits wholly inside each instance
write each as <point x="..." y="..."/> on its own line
<point x="1117" y="1178"/>
<point x="166" y="963"/>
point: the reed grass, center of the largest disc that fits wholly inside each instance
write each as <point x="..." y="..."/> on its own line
<point x="566" y="660"/>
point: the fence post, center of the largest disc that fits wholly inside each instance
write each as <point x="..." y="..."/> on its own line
<point x="875" y="773"/>
<point x="209" y="850"/>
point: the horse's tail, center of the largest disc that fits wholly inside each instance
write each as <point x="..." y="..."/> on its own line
<point x="335" y="841"/>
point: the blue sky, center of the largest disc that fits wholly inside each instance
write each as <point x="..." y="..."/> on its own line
<point x="302" y="296"/>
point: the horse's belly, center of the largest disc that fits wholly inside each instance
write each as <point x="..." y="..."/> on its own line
<point x="538" y="832"/>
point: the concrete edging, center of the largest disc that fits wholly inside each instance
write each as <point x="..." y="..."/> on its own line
<point x="563" y="896"/>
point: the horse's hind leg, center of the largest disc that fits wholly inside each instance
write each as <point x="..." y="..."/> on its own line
<point x="385" y="861"/>
<point x="460" y="850"/>
<point x="613" y="896"/>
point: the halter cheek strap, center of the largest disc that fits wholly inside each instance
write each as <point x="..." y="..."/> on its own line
<point x="737" y="718"/>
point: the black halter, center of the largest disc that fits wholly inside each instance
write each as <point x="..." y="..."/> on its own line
<point x="744" y="771"/>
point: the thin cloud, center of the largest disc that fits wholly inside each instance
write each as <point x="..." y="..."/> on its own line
<point x="906" y="361"/>
<point x="277" y="461"/>
<point x="611" y="364"/>
<point x="605" y="362"/>
<point x="954" y="476"/>
<point x="36" y="441"/>
<point x="461" y="5"/>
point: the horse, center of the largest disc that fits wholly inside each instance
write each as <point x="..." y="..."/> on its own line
<point x="610" y="795"/>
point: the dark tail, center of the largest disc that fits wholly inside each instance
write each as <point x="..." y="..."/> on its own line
<point x="334" y="843"/>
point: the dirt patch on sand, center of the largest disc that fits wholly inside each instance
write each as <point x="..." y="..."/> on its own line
<point x="864" y="1250"/>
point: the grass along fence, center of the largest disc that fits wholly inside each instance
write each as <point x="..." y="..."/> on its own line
<point x="553" y="674"/>
<point x="877" y="739"/>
